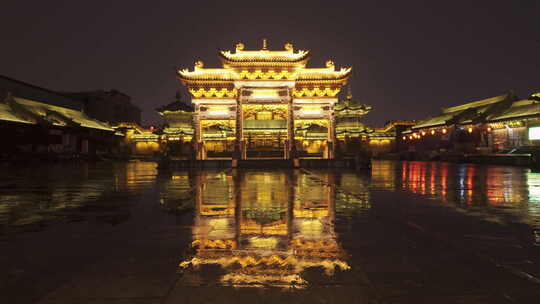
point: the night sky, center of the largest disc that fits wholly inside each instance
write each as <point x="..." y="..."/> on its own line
<point x="410" y="58"/>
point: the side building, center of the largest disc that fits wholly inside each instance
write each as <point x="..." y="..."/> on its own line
<point x="178" y="131"/>
<point x="351" y="133"/>
<point x="35" y="120"/>
<point x="495" y="124"/>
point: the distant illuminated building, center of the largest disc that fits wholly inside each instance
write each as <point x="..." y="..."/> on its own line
<point x="38" y="120"/>
<point x="268" y="104"/>
<point x="178" y="129"/>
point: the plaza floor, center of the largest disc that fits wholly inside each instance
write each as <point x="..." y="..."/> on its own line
<point x="406" y="232"/>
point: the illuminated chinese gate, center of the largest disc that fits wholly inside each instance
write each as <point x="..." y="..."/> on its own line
<point x="264" y="104"/>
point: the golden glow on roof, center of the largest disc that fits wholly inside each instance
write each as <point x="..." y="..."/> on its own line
<point x="268" y="75"/>
<point x="264" y="66"/>
<point x="316" y="92"/>
<point x="203" y="73"/>
<point x="58" y="116"/>
<point x="264" y="55"/>
<point x="213" y="92"/>
<point x="324" y="73"/>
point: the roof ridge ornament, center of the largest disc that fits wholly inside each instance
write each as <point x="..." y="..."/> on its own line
<point x="265" y="44"/>
<point x="330" y="64"/>
<point x="239" y="46"/>
<point x="288" y="46"/>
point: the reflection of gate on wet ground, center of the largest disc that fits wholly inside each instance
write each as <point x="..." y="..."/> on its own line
<point x="267" y="228"/>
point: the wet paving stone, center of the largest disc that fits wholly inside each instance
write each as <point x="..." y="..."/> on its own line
<point x="407" y="232"/>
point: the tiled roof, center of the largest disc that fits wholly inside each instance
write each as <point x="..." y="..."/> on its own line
<point x="476" y="104"/>
<point x="435" y="121"/>
<point x="32" y="112"/>
<point x="6" y="114"/>
<point x="28" y="91"/>
<point x="468" y="113"/>
<point x="175" y="106"/>
<point x="519" y="109"/>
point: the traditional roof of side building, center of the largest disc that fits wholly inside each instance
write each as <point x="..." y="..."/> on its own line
<point x="175" y="106"/>
<point x="518" y="110"/>
<point x="348" y="113"/>
<point x="389" y="125"/>
<point x="7" y="114"/>
<point x="349" y="106"/>
<point x="32" y="92"/>
<point x="352" y="106"/>
<point x="468" y="113"/>
<point x="21" y="110"/>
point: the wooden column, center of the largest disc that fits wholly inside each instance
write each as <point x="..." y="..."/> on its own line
<point x="291" y="143"/>
<point x="197" y="135"/>
<point x="238" y="144"/>
<point x="331" y="141"/>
